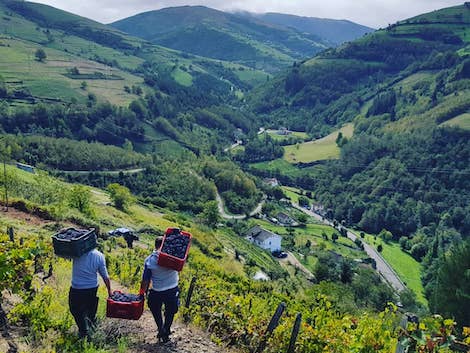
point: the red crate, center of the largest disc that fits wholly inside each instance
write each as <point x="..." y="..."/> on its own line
<point x="170" y="261"/>
<point x="124" y="310"/>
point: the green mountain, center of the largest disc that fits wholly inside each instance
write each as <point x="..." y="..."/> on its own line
<point x="87" y="65"/>
<point x="404" y="173"/>
<point x="207" y="32"/>
<point x="339" y="84"/>
<point x="333" y="31"/>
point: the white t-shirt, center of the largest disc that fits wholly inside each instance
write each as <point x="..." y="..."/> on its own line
<point x="86" y="268"/>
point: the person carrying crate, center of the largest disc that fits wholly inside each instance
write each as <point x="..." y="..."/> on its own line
<point x="164" y="291"/>
<point x="83" y="302"/>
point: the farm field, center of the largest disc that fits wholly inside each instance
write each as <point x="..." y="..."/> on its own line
<point x="321" y="149"/>
<point x="20" y="70"/>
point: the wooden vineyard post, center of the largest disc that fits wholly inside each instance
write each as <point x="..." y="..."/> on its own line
<point x="271" y="326"/>
<point x="11" y="233"/>
<point x="295" y="333"/>
<point x="188" y="298"/>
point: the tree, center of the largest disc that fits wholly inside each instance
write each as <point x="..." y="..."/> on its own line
<point x="79" y="198"/>
<point x="347" y="273"/>
<point x="379" y="248"/>
<point x="40" y="55"/>
<point x="302" y="218"/>
<point x="121" y="196"/>
<point x="451" y="294"/>
<point x="386" y="235"/>
<point x="334" y="237"/>
<point x="210" y="214"/>
<point x="304" y="201"/>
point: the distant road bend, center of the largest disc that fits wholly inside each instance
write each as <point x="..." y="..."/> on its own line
<point x="220" y="205"/>
<point x="383" y="268"/>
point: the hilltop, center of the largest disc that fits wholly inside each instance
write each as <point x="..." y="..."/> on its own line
<point x="211" y="33"/>
<point x="335" y="32"/>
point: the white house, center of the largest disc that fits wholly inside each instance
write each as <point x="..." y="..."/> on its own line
<point x="264" y="239"/>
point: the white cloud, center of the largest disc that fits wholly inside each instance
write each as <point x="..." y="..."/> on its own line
<point x="374" y="13"/>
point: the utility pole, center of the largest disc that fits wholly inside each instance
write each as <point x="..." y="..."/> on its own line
<point x="5" y="183"/>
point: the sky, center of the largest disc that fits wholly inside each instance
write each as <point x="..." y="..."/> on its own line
<point x="372" y="13"/>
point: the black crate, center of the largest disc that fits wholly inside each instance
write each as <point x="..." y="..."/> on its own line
<point x="84" y="241"/>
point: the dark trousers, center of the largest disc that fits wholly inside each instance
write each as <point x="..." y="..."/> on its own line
<point x="169" y="298"/>
<point x="83" y="305"/>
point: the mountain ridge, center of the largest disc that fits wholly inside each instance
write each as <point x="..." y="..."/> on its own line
<point x="201" y="30"/>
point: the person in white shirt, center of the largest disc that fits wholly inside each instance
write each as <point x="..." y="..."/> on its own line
<point x="164" y="291"/>
<point x="83" y="301"/>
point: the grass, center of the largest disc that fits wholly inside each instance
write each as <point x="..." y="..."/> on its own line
<point x="322" y="149"/>
<point x="407" y="268"/>
<point x="182" y="77"/>
<point x="281" y="166"/>
<point x="293" y="134"/>
<point x="462" y="121"/>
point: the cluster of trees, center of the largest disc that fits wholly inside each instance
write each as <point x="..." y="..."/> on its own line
<point x="101" y="122"/>
<point x="259" y="149"/>
<point x="237" y="189"/>
<point x="400" y="182"/>
<point x="66" y="154"/>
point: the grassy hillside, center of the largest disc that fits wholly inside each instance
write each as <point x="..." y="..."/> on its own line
<point x="108" y="61"/>
<point x="224" y="288"/>
<point x="317" y="150"/>
<point x="215" y="34"/>
<point x="339" y="84"/>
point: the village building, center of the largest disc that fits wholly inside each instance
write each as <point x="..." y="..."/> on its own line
<point x="264" y="239"/>
<point x="273" y="182"/>
<point x="285" y="219"/>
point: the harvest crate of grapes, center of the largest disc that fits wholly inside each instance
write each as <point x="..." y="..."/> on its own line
<point x="124" y="306"/>
<point x="175" y="248"/>
<point x="71" y="242"/>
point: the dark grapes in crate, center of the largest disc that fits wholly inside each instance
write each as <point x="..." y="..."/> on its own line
<point x="125" y="297"/>
<point x="175" y="244"/>
<point x="71" y="233"/>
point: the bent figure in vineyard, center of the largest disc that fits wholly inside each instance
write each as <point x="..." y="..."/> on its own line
<point x="83" y="301"/>
<point x="164" y="291"/>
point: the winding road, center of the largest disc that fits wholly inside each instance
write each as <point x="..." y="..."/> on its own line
<point x="383" y="268"/>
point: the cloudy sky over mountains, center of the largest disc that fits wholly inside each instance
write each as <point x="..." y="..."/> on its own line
<point x="373" y="13"/>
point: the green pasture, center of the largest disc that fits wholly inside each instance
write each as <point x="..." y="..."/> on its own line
<point x="321" y="149"/>
<point x="407" y="268"/>
<point x="182" y="77"/>
<point x="278" y="166"/>
<point x="292" y="193"/>
<point x="462" y="121"/>
<point x="298" y="135"/>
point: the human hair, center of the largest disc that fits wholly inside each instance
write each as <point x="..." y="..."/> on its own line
<point x="158" y="242"/>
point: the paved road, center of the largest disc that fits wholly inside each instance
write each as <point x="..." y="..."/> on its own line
<point x="383" y="268"/>
<point x="107" y="172"/>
